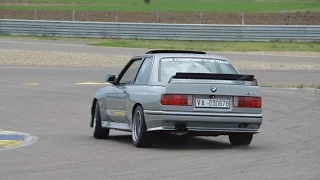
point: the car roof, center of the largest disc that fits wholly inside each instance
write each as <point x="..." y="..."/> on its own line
<point x="182" y="53"/>
<point x="175" y="51"/>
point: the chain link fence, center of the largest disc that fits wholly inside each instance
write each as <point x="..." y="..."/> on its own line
<point x="245" y="18"/>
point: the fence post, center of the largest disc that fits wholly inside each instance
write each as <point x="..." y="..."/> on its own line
<point x="201" y="17"/>
<point x="287" y="17"/>
<point x="117" y="16"/>
<point x="158" y="16"/>
<point x="242" y="17"/>
<point x="35" y="14"/>
<point x="73" y="14"/>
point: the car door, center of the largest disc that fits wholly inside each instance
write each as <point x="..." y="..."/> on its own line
<point x="137" y="92"/>
<point x="116" y="101"/>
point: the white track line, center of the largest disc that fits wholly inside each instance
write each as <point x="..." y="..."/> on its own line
<point x="291" y="88"/>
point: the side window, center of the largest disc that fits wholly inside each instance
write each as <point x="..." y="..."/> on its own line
<point x="144" y="72"/>
<point x="129" y="74"/>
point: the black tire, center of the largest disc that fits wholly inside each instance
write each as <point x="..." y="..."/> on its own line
<point x="240" y="139"/>
<point x="140" y="138"/>
<point x="98" y="131"/>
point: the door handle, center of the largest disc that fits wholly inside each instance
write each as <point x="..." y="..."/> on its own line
<point x="125" y="91"/>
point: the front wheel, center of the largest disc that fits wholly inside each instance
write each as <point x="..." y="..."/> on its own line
<point x="140" y="136"/>
<point x="98" y="131"/>
<point x="240" y="139"/>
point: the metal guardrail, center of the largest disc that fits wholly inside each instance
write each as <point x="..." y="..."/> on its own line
<point x="161" y="31"/>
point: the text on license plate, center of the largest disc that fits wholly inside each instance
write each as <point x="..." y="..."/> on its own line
<point x="213" y="103"/>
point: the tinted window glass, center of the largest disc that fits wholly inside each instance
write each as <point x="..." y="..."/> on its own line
<point x="144" y="72"/>
<point x="170" y="66"/>
<point x="128" y="75"/>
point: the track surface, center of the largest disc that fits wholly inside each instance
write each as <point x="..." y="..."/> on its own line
<point x="288" y="146"/>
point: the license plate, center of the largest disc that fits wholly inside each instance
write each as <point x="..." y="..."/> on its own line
<point x="213" y="103"/>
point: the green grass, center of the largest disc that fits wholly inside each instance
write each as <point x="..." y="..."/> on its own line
<point x="168" y="5"/>
<point x="211" y="45"/>
<point x="299" y="86"/>
<point x="191" y="45"/>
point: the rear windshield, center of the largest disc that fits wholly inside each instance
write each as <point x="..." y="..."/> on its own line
<point x="170" y="66"/>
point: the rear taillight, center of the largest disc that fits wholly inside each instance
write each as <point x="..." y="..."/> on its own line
<point x="176" y="100"/>
<point x="247" y="102"/>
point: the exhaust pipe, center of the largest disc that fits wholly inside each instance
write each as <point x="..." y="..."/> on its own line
<point x="180" y="129"/>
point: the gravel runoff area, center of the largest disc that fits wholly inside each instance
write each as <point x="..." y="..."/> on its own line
<point x="41" y="58"/>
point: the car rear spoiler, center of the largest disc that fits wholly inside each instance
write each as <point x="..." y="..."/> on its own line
<point x="242" y="77"/>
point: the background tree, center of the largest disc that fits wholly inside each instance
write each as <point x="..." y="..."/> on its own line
<point x="147" y="1"/>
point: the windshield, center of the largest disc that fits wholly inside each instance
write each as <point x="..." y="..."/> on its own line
<point x="170" y="66"/>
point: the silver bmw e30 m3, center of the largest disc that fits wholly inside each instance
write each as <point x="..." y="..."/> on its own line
<point x="185" y="93"/>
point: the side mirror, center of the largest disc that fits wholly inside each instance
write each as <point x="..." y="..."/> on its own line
<point x="110" y="78"/>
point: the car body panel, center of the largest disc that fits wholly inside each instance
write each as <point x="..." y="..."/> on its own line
<point x="117" y="101"/>
<point x="201" y="121"/>
<point x="116" y="104"/>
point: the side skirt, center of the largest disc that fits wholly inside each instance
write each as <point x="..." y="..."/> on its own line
<point x="116" y="126"/>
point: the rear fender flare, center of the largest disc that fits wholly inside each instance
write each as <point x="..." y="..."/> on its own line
<point x="132" y="111"/>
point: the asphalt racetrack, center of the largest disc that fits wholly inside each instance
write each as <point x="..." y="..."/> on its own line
<point x="48" y="103"/>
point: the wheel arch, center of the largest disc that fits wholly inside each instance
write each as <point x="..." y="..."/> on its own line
<point x="92" y="111"/>
<point x="134" y="108"/>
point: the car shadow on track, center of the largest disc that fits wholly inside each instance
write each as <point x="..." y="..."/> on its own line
<point x="176" y="143"/>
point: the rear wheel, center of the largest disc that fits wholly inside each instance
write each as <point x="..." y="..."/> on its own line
<point x="240" y="139"/>
<point x="98" y="131"/>
<point x="140" y="136"/>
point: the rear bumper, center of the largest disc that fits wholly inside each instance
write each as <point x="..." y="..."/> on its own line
<point x="203" y="122"/>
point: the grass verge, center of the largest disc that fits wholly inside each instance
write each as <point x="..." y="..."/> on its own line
<point x="211" y="45"/>
<point x="164" y="5"/>
<point x="217" y="46"/>
<point x="299" y="86"/>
